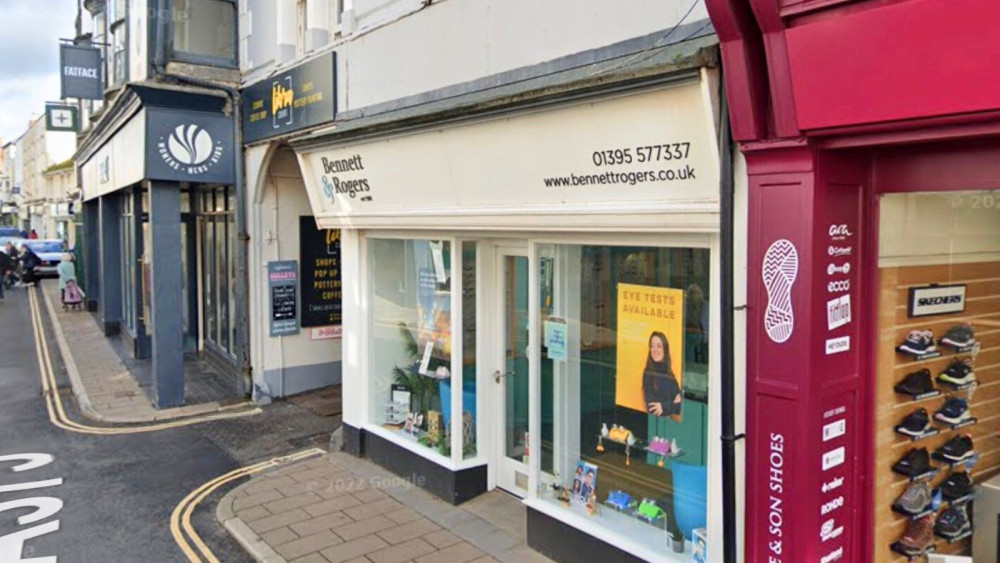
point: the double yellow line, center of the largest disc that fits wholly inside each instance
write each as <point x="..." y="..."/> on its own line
<point x="180" y="520"/>
<point x="54" y="404"/>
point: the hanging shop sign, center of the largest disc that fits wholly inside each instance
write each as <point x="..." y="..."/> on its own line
<point x="188" y="146"/>
<point x="644" y="153"/>
<point x="80" y="73"/>
<point x="283" y="281"/>
<point x="298" y="98"/>
<point x="319" y="251"/>
<point x="936" y="300"/>
<point x="59" y="117"/>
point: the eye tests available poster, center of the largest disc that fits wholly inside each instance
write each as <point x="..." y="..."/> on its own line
<point x="650" y="349"/>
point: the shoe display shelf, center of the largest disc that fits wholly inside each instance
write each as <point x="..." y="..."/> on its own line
<point x="970" y="422"/>
<point x="920" y="357"/>
<point x="953" y="539"/>
<point x="922" y="396"/>
<point x="957" y="386"/>
<point x="926" y="475"/>
<point x="910" y="554"/>
<point x="641" y="445"/>
<point x="932" y="431"/>
<point x="961" y="500"/>
<point x="911" y="515"/>
<point x="951" y="463"/>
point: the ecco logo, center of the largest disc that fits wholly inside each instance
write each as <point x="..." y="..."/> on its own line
<point x="833" y="484"/>
<point x="831" y="506"/>
<point x="839" y="231"/>
<point x="838" y="286"/>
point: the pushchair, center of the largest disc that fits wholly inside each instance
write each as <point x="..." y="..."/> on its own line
<point x="72" y="296"/>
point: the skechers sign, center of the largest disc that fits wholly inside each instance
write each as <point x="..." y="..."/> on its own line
<point x="936" y="300"/>
<point x="187" y="146"/>
<point x="301" y="97"/>
<point x="80" y="73"/>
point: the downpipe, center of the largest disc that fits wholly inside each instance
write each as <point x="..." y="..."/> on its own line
<point x="163" y="11"/>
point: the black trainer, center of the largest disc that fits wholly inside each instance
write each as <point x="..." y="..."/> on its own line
<point x="916" y="462"/>
<point x="953" y="411"/>
<point x="952" y="522"/>
<point x="958" y="373"/>
<point x="957" y="449"/>
<point x="956" y="486"/>
<point x="916" y="383"/>
<point x="915" y="423"/>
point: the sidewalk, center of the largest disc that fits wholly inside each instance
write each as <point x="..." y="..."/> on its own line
<point x="339" y="508"/>
<point x="104" y="387"/>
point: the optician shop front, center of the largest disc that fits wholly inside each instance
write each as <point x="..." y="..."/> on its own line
<point x="535" y="311"/>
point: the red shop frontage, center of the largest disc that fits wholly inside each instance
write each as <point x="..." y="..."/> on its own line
<point x="871" y="131"/>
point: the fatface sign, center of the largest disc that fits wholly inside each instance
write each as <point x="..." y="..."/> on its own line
<point x="302" y="97"/>
<point x="189" y="146"/>
<point x="80" y="72"/>
<point x="647" y="152"/>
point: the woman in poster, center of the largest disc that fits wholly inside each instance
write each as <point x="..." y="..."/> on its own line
<point x="660" y="390"/>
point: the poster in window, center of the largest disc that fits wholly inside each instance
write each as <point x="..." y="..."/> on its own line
<point x="650" y="349"/>
<point x="319" y="252"/>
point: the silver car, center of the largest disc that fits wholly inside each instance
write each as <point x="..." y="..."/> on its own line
<point x="50" y="252"/>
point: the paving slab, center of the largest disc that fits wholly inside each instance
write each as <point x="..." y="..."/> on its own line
<point x="352" y="510"/>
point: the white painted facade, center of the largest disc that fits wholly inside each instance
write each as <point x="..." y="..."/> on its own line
<point x="472" y="179"/>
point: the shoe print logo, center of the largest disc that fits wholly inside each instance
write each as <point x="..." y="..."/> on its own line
<point x="781" y="268"/>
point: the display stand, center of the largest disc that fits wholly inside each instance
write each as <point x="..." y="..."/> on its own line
<point x="923" y="396"/>
<point x="927" y="434"/>
<point x="909" y="555"/>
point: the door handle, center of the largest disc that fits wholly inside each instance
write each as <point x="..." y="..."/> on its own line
<point x="497" y="376"/>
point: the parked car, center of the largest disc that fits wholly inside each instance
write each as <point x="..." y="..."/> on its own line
<point x="50" y="252"/>
<point x="16" y="239"/>
<point x="10" y="232"/>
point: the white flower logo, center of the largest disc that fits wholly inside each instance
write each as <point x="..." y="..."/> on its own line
<point x="190" y="144"/>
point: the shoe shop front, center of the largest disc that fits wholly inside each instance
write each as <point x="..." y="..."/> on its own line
<point x="537" y="311"/>
<point x="874" y="252"/>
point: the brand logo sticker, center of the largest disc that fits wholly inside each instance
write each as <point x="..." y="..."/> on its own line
<point x="838" y="312"/>
<point x="838" y="345"/>
<point x="191" y="149"/>
<point x="780" y="269"/>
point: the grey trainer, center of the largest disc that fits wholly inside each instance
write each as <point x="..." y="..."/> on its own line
<point x="915" y="498"/>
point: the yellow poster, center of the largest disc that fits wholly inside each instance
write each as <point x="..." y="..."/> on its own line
<point x="650" y="349"/>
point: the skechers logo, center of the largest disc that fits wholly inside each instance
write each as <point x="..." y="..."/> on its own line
<point x="944" y="300"/>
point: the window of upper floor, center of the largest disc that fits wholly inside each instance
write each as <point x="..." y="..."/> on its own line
<point x="204" y="32"/>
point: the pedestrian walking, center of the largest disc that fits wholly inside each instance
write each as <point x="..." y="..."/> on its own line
<point x="29" y="261"/>
<point x="7" y="265"/>
<point x="70" y="292"/>
<point x="33" y="235"/>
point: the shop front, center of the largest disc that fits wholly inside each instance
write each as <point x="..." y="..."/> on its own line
<point x="159" y="230"/>
<point x="535" y="310"/>
<point x="873" y="249"/>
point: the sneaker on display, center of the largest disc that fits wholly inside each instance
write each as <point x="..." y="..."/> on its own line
<point x="952" y="522"/>
<point x="954" y="411"/>
<point x="958" y="448"/>
<point x="916" y="462"/>
<point x="916" y="498"/>
<point x="918" y="342"/>
<point x="958" y="373"/>
<point x="915" y="423"/>
<point x="956" y="486"/>
<point x="959" y="336"/>
<point x="919" y="534"/>
<point x="916" y="383"/>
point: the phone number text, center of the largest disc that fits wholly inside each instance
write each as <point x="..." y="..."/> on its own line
<point x="648" y="153"/>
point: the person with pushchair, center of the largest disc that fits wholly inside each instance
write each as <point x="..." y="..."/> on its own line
<point x="72" y="296"/>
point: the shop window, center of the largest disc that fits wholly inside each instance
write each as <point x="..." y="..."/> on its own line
<point x="410" y="339"/>
<point x="937" y="354"/>
<point x="624" y="341"/>
<point x="205" y="30"/>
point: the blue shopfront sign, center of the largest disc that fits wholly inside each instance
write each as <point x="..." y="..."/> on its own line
<point x="189" y="146"/>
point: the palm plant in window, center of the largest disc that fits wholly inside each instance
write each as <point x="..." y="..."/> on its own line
<point x="420" y="385"/>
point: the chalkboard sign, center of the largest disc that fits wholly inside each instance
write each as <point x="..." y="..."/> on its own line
<point x="319" y="252"/>
<point x="282" y="279"/>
